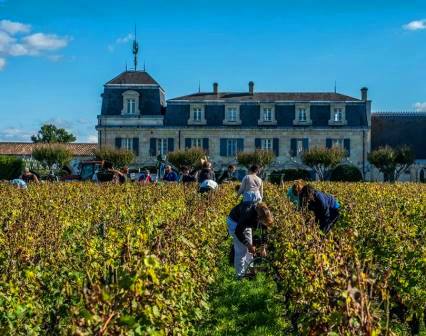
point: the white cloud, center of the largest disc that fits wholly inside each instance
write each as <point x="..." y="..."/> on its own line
<point x="14" y="27"/>
<point x="415" y="25"/>
<point x="420" y="107"/>
<point x="121" y="40"/>
<point x="91" y="138"/>
<point x="15" y="134"/>
<point x="40" y="41"/>
<point x="28" y="44"/>
<point x="2" y="63"/>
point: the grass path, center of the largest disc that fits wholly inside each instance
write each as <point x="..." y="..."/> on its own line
<point x="244" y="307"/>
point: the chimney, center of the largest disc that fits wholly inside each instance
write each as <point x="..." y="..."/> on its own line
<point x="251" y="88"/>
<point x="364" y="94"/>
<point x="216" y="88"/>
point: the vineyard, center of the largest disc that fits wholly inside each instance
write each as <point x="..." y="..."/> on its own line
<point x="87" y="259"/>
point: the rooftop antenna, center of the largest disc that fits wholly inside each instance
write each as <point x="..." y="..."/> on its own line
<point x="135" y="51"/>
<point x="144" y="67"/>
<point x="199" y="86"/>
<point x="335" y="86"/>
<point x="126" y="66"/>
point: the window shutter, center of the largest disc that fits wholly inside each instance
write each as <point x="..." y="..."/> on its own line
<point x="347" y="146"/>
<point x="170" y="145"/>
<point x="118" y="143"/>
<point x="276" y="146"/>
<point x="187" y="143"/>
<point x="293" y="147"/>
<point x="240" y="145"/>
<point x="153" y="146"/>
<point x="206" y="144"/>
<point x="223" y="147"/>
<point x="136" y="146"/>
<point x="257" y="143"/>
<point x="305" y="144"/>
<point x="328" y="143"/>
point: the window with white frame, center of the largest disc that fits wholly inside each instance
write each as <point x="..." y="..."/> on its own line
<point x="231" y="114"/>
<point x="338" y="114"/>
<point x="267" y="114"/>
<point x="299" y="147"/>
<point x="130" y="102"/>
<point x="231" y="147"/>
<point x="266" y="144"/>
<point x="127" y="143"/>
<point x="196" y="142"/>
<point x="162" y="146"/>
<point x="301" y="114"/>
<point x="337" y="143"/>
<point x="197" y="114"/>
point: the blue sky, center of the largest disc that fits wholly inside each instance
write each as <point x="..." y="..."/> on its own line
<point x="56" y="55"/>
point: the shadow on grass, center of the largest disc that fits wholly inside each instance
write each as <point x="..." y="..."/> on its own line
<point x="245" y="307"/>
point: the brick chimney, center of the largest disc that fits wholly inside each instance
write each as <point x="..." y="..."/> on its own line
<point x="364" y="94"/>
<point x="216" y="88"/>
<point x="251" y="88"/>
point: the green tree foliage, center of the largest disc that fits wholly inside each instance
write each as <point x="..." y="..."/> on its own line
<point x="189" y="157"/>
<point x="263" y="158"/>
<point x="391" y="161"/>
<point x="118" y="157"/>
<point x="321" y="159"/>
<point x="346" y="173"/>
<point x="52" y="155"/>
<point x="10" y="167"/>
<point x="49" y="133"/>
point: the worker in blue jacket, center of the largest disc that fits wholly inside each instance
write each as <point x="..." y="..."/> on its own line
<point x="324" y="206"/>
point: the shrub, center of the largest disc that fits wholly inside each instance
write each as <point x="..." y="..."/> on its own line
<point x="189" y="157"/>
<point x="51" y="155"/>
<point x="10" y="167"/>
<point x="346" y="173"/>
<point x="118" y="157"/>
<point x="262" y="158"/>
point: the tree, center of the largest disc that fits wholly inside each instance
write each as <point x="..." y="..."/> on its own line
<point x="321" y="159"/>
<point x="52" y="155"/>
<point x="49" y="133"/>
<point x="263" y="158"/>
<point x="391" y="162"/>
<point x="189" y="157"/>
<point x="118" y="157"/>
<point x="346" y="173"/>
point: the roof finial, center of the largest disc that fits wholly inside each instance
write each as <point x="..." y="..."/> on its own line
<point x="135" y="51"/>
<point x="199" y="86"/>
<point x="144" y="66"/>
<point x="335" y="86"/>
<point x="126" y="66"/>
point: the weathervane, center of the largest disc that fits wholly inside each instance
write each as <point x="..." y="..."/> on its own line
<point x="135" y="50"/>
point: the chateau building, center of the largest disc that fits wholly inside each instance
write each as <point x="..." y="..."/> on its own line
<point x="135" y="115"/>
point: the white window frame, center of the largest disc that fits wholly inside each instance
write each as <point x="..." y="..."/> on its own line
<point x="267" y="144"/>
<point x="334" y="109"/>
<point x="269" y="111"/>
<point x="231" y="147"/>
<point x="307" y="114"/>
<point x="127" y="143"/>
<point x="130" y="95"/>
<point x="196" y="142"/>
<point x="162" y="146"/>
<point x="232" y="121"/>
<point x="338" y="143"/>
<point x="299" y="147"/>
<point x="197" y="115"/>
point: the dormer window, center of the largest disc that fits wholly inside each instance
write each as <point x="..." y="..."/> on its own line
<point x="302" y="115"/>
<point x="197" y="115"/>
<point x="267" y="115"/>
<point x="232" y="115"/>
<point x="130" y="103"/>
<point x="337" y="115"/>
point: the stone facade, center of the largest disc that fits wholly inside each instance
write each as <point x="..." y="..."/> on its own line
<point x="202" y="119"/>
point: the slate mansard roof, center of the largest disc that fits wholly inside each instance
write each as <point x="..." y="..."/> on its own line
<point x="133" y="78"/>
<point x="267" y="97"/>
<point x="400" y="128"/>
